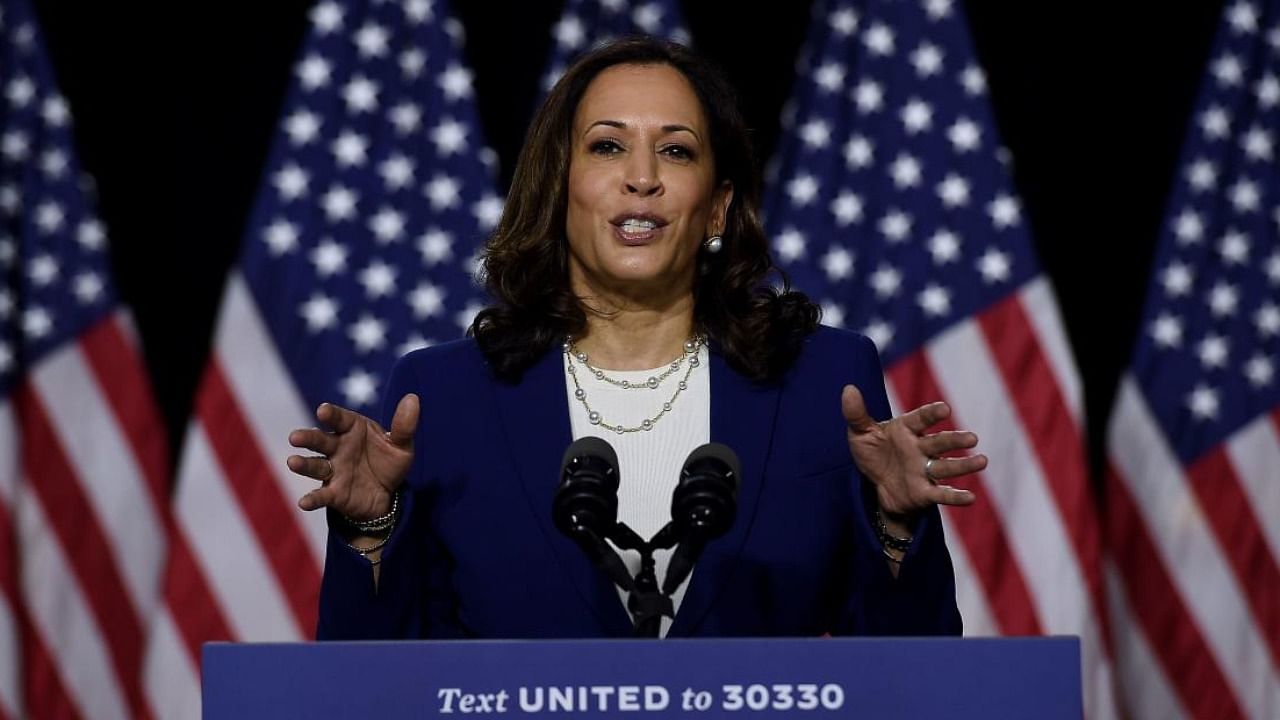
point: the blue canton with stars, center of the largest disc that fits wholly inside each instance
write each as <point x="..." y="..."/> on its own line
<point x="584" y="24"/>
<point x="378" y="197"/>
<point x="889" y="203"/>
<point x="1210" y="335"/>
<point x="53" y="250"/>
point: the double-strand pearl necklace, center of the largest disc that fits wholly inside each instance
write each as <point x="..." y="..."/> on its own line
<point x="691" y="348"/>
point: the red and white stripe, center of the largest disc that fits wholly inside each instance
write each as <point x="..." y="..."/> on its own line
<point x="1195" y="553"/>
<point x="246" y="562"/>
<point x="82" y="540"/>
<point x="1027" y="554"/>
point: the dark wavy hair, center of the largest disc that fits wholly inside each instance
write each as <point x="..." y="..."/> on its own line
<point x="757" y="327"/>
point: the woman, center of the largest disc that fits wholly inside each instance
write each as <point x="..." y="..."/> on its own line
<point x="630" y="273"/>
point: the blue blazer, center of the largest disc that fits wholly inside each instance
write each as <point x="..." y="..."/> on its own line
<point x="475" y="553"/>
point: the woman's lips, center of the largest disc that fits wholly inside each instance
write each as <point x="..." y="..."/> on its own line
<point x="636" y="235"/>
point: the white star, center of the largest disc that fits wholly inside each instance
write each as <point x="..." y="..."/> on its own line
<point x="868" y="96"/>
<point x="87" y="287"/>
<point x="53" y="163"/>
<point x="387" y="225"/>
<point x="15" y="145"/>
<point x="879" y="39"/>
<point x="1223" y="299"/>
<point x="450" y="137"/>
<point x="49" y="217"/>
<point x="1234" y="247"/>
<point x="361" y="95"/>
<point x="837" y="263"/>
<point x="832" y="314"/>
<point x="359" y="388"/>
<point x="937" y="9"/>
<point x="944" y="246"/>
<point x="1257" y="144"/>
<point x="329" y="258"/>
<point x="1227" y="70"/>
<point x="1268" y="320"/>
<point x="7" y="253"/>
<point x="569" y="33"/>
<point x="964" y="135"/>
<point x="406" y="117"/>
<point x="1213" y="351"/>
<point x="443" y="192"/>
<point x="487" y="211"/>
<point x="412" y="62"/>
<point x="314" y="72"/>
<point x="418" y="11"/>
<point x="416" y="341"/>
<point x="927" y="60"/>
<point x="1216" y="123"/>
<point x="281" y="237"/>
<point x="917" y="116"/>
<point x="789" y="245"/>
<point x="1273" y="268"/>
<point x="91" y="235"/>
<point x="815" y="134"/>
<point x="36" y="323"/>
<point x="1259" y="370"/>
<point x="905" y="171"/>
<point x="436" y="246"/>
<point x="994" y="266"/>
<point x="42" y="270"/>
<point x="829" y="76"/>
<point x="467" y="315"/>
<point x="1166" y="330"/>
<point x="320" y="312"/>
<point x="456" y="83"/>
<point x="396" y="172"/>
<point x="1004" y="212"/>
<point x="1188" y="227"/>
<point x="954" y="191"/>
<point x="1202" y="175"/>
<point x="291" y="182"/>
<point x="55" y="111"/>
<point x="378" y="278"/>
<point x="885" y="281"/>
<point x="20" y="91"/>
<point x="6" y="304"/>
<point x="10" y="199"/>
<point x="880" y="332"/>
<point x="1243" y="17"/>
<point x="858" y="152"/>
<point x="648" y="17"/>
<point x="427" y="300"/>
<point x="6" y="358"/>
<point x="302" y="127"/>
<point x="935" y="300"/>
<point x="1268" y="91"/>
<point x="803" y="189"/>
<point x="1203" y="402"/>
<point x="368" y="333"/>
<point x="371" y="39"/>
<point x="339" y="203"/>
<point x="895" y="225"/>
<point x="843" y="21"/>
<point x="1244" y="195"/>
<point x="349" y="149"/>
<point x="973" y="80"/>
<point x="327" y="17"/>
<point x="847" y="207"/>
<point x="1177" y="279"/>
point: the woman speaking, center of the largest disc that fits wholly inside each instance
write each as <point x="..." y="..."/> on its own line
<point x="632" y="294"/>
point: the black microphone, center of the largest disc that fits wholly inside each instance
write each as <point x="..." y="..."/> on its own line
<point x="586" y="503"/>
<point x="703" y="507"/>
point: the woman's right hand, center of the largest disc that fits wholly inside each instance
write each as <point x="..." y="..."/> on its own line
<point x="360" y="465"/>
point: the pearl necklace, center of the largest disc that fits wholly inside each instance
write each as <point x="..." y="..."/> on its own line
<point x="691" y="348"/>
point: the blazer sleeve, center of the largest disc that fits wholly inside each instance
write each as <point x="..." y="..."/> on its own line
<point x="411" y="598"/>
<point x="921" y="600"/>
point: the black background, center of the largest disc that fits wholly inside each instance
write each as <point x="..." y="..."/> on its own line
<point x="175" y="105"/>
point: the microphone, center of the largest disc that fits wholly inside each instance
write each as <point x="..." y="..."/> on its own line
<point x="586" y="503"/>
<point x="703" y="507"/>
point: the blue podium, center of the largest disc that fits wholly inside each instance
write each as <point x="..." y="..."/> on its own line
<point x="982" y="679"/>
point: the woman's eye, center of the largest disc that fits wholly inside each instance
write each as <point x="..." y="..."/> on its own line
<point x="604" y="147"/>
<point x="678" y="152"/>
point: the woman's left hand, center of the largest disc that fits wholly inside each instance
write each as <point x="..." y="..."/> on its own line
<point x="895" y="455"/>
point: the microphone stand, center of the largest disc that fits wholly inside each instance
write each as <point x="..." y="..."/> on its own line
<point x="647" y="603"/>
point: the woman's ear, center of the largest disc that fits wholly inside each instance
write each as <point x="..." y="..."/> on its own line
<point x="720" y="201"/>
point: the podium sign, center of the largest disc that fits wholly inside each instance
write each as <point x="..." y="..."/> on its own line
<point x="980" y="678"/>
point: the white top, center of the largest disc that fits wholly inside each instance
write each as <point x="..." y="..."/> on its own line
<point x="649" y="461"/>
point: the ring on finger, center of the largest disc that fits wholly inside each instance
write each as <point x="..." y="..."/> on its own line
<point x="329" y="464"/>
<point x="928" y="470"/>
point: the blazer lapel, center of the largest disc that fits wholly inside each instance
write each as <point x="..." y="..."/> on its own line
<point x="535" y="417"/>
<point x="742" y="417"/>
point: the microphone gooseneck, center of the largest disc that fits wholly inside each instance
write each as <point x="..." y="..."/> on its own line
<point x="703" y="507"/>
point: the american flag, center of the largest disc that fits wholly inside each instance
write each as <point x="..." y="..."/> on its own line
<point x="362" y="246"/>
<point x="890" y="203"/>
<point x="1193" y="483"/>
<point x="83" y="466"/>
<point x="584" y="24"/>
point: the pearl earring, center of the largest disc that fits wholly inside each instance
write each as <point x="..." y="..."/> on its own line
<point x="713" y="244"/>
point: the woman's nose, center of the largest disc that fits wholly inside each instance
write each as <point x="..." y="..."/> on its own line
<point x="642" y="177"/>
